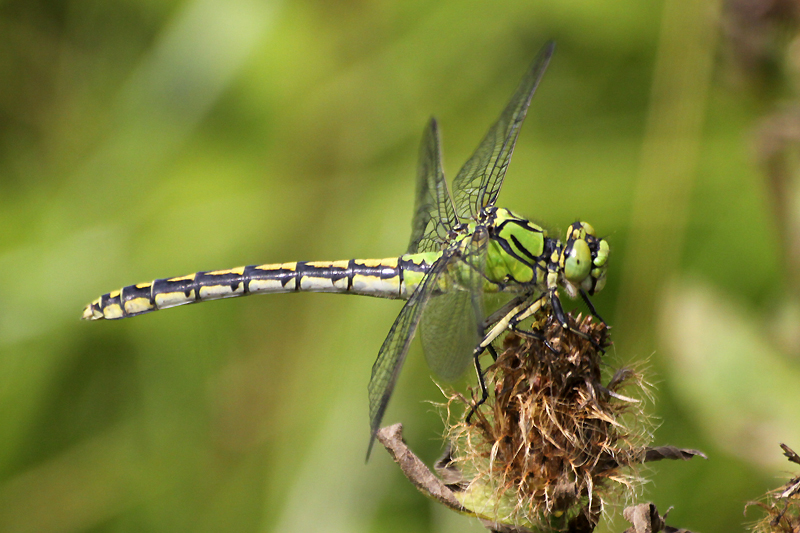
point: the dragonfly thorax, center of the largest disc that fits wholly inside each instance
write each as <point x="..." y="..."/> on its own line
<point x="519" y="249"/>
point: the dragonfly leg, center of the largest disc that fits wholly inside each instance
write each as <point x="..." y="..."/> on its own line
<point x="504" y="311"/>
<point x="558" y="311"/>
<point x="492" y="352"/>
<point x="534" y="307"/>
<point x="518" y="312"/>
<point x="588" y="302"/>
<point x="484" y="391"/>
<point x="530" y="334"/>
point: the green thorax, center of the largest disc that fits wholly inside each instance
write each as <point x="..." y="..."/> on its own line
<point x="517" y="249"/>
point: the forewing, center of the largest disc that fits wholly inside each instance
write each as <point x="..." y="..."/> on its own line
<point x="393" y="352"/>
<point x="478" y="182"/>
<point x="434" y="214"/>
<point x="452" y="323"/>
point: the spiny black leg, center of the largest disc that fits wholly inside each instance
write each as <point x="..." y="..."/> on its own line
<point x="588" y="303"/>
<point x="562" y="319"/>
<point x="484" y="393"/>
<point x="533" y="335"/>
<point x="492" y="352"/>
<point x="555" y="303"/>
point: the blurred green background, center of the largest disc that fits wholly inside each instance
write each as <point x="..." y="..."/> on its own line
<point x="143" y="139"/>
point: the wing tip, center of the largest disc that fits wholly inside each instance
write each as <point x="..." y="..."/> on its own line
<point x="371" y="444"/>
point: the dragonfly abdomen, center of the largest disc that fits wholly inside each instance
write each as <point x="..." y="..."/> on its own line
<point x="372" y="277"/>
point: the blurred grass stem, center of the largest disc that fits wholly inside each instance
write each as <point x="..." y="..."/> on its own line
<point x="672" y="143"/>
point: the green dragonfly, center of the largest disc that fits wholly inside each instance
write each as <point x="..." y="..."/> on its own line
<point x="461" y="248"/>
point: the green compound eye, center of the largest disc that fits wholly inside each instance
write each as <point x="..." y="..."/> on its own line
<point x="579" y="262"/>
<point x="602" y="254"/>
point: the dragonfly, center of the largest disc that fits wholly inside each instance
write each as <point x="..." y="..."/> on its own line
<point x="462" y="249"/>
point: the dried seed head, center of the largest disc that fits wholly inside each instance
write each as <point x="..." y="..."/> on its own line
<point x="782" y="505"/>
<point x="553" y="442"/>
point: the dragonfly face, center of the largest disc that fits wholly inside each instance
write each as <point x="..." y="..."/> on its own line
<point x="461" y="247"/>
<point x="583" y="260"/>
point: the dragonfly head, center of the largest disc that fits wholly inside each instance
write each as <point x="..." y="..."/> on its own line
<point x="584" y="259"/>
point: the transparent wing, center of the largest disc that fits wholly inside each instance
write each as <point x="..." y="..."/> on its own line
<point x="393" y="352"/>
<point x="434" y="214"/>
<point x="452" y="323"/>
<point x="448" y="333"/>
<point x="478" y="182"/>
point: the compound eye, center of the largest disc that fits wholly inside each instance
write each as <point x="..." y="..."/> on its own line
<point x="579" y="262"/>
<point x="601" y="256"/>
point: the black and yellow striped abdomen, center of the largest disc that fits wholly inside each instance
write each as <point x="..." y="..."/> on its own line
<point x="384" y="278"/>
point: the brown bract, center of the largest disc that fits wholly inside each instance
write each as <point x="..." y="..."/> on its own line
<point x="782" y="504"/>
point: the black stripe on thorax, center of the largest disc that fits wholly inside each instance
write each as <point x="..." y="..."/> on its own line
<point x="510" y="251"/>
<point x="522" y="248"/>
<point x="534" y="265"/>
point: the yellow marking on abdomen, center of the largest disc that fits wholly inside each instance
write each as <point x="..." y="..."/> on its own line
<point x="138" y="305"/>
<point x="374" y="284"/>
<point x="90" y="313"/>
<point x="112" y="311"/>
<point x="372" y="263"/>
<point x="332" y="264"/>
<point x="237" y="270"/>
<point x="269" y="286"/>
<point x="320" y="284"/>
<point x="173" y="299"/>
<point x="187" y="277"/>
<point x="276" y="266"/>
<point x="216" y="292"/>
